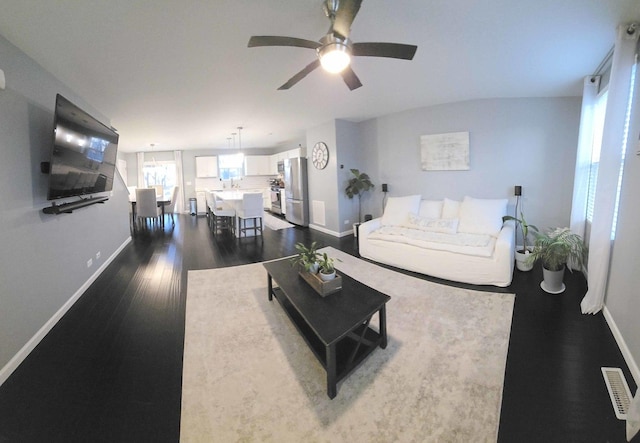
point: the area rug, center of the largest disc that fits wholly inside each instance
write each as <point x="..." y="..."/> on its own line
<point x="248" y="375"/>
<point x="275" y="223"/>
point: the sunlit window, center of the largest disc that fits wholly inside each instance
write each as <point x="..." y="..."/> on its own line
<point x="160" y="173"/>
<point x="231" y="166"/>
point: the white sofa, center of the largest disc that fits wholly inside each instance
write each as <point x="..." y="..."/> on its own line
<point x="464" y="241"/>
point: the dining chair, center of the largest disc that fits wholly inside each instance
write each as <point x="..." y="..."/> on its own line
<point x="223" y="216"/>
<point x="147" y="206"/>
<point x="159" y="190"/>
<point x="252" y="209"/>
<point x="171" y="207"/>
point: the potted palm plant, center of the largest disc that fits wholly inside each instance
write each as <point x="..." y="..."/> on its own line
<point x="554" y="249"/>
<point x="357" y="185"/>
<point x="522" y="255"/>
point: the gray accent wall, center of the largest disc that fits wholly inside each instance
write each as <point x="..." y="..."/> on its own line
<point x="529" y="142"/>
<point x="44" y="258"/>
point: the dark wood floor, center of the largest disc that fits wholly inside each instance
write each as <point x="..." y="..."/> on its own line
<point x="111" y="369"/>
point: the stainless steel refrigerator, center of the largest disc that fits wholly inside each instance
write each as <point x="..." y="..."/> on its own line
<point x="295" y="191"/>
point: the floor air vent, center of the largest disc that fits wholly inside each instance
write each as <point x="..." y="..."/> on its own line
<point x="618" y="391"/>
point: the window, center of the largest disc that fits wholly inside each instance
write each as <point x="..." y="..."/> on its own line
<point x="160" y="173"/>
<point x="598" y="126"/>
<point x="231" y="166"/>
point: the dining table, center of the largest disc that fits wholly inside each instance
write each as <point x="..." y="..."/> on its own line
<point x="161" y="200"/>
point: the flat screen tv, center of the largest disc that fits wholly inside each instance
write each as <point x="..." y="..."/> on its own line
<point x="83" y="158"/>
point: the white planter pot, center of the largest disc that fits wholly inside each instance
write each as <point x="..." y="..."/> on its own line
<point x="521" y="261"/>
<point x="327" y="277"/>
<point x="553" y="281"/>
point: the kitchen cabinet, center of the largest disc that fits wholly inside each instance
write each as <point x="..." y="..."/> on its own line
<point x="207" y="166"/>
<point x="257" y="165"/>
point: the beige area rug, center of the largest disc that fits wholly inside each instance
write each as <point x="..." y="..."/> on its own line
<point x="275" y="223"/>
<point x="248" y="376"/>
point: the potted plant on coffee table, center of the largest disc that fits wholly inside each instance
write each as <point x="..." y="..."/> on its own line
<point x="522" y="255"/>
<point x="327" y="270"/>
<point x="554" y="249"/>
<point x="357" y="185"/>
<point x="307" y="257"/>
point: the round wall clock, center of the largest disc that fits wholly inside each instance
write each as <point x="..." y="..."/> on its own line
<point x="320" y="155"/>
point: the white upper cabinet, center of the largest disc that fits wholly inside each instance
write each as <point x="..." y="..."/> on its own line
<point x="257" y="165"/>
<point x="206" y="166"/>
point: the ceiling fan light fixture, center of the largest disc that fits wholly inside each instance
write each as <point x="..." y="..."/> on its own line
<point x="334" y="57"/>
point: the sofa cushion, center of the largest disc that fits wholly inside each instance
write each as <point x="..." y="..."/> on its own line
<point x="396" y="212"/>
<point x="482" y="216"/>
<point x="429" y="224"/>
<point x="450" y="208"/>
<point x="431" y="208"/>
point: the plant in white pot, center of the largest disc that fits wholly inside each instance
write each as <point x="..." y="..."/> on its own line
<point x="555" y="248"/>
<point x="357" y="185"/>
<point x="327" y="270"/>
<point x="522" y="255"/>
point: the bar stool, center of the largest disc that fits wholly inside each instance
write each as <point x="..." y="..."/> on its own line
<point x="222" y="216"/>
<point x="252" y="209"/>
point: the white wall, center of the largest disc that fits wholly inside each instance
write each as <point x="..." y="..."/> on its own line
<point x="44" y="257"/>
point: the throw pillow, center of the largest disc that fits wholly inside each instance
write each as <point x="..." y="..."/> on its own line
<point x="431" y="208"/>
<point x="443" y="225"/>
<point x="396" y="212"/>
<point x="450" y="208"/>
<point x="482" y="216"/>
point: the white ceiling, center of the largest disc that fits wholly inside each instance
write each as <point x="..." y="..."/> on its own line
<point x="178" y="73"/>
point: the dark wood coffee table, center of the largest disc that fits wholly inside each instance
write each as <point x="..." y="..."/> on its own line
<point x="335" y="327"/>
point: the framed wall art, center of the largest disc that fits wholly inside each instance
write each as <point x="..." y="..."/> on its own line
<point x="445" y="152"/>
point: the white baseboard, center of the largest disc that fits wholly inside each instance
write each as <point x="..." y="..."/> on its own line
<point x="626" y="353"/>
<point x="15" y="361"/>
<point x="330" y="232"/>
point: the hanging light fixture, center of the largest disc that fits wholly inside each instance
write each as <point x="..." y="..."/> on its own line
<point x="239" y="138"/>
<point x="334" y="54"/>
<point x="233" y="134"/>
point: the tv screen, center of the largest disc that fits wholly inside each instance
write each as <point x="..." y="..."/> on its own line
<point x="83" y="158"/>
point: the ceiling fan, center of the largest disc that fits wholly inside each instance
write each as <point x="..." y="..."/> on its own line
<point x="334" y="50"/>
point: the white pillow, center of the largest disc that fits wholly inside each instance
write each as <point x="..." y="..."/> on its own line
<point x="450" y="208"/>
<point x="443" y="225"/>
<point x="396" y="212"/>
<point x="482" y="216"/>
<point x="431" y="208"/>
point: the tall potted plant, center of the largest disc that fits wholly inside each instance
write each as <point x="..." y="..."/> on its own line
<point x="357" y="185"/>
<point x="522" y="255"/>
<point x="554" y="249"/>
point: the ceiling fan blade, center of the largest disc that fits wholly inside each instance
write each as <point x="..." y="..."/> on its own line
<point x="346" y="13"/>
<point x="270" y="40"/>
<point x="350" y="78"/>
<point x="300" y="75"/>
<point x="391" y="50"/>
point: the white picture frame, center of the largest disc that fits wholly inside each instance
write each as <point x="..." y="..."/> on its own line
<point x="445" y="152"/>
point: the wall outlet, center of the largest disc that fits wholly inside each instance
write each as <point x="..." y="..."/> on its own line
<point x="346" y="222"/>
<point x="89" y="263"/>
<point x="98" y="254"/>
